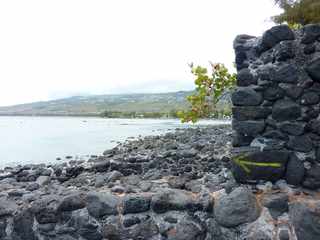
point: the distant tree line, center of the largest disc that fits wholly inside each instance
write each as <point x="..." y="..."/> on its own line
<point x="133" y="114"/>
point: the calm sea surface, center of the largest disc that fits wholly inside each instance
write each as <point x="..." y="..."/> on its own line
<point x="43" y="139"/>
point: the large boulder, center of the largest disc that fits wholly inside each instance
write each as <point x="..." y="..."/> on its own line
<point x="187" y="229"/>
<point x="170" y="200"/>
<point x="284" y="110"/>
<point x="248" y="128"/>
<point x="238" y="207"/>
<point x="313" y="69"/>
<point x="287" y="73"/>
<point x="311" y="33"/>
<point x="135" y="204"/>
<point x="245" y="78"/>
<point x="23" y="225"/>
<point x="72" y="202"/>
<point x="254" y="165"/>
<point x="246" y="97"/>
<point x="100" y="204"/>
<point x="305" y="218"/>
<point x="250" y="113"/>
<point x="295" y="170"/>
<point x="300" y="143"/>
<point x="275" y="35"/>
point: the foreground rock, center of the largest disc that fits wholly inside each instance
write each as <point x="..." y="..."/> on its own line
<point x="172" y="187"/>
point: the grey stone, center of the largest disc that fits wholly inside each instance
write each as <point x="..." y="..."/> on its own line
<point x="239" y="207"/>
<point x="310" y="98"/>
<point x="22" y="225"/>
<point x="292" y="128"/>
<point x="86" y="226"/>
<point x="43" y="180"/>
<point x="168" y="200"/>
<point x="245" y="78"/>
<point x="270" y="165"/>
<point x="275" y="35"/>
<point x="312" y="178"/>
<point x="187" y="229"/>
<point x="100" y="204"/>
<point x="276" y="203"/>
<point x="46" y="209"/>
<point x="248" y="128"/>
<point x="295" y="170"/>
<point x="310" y="33"/>
<point x="273" y="93"/>
<point x="72" y="203"/>
<point x="313" y="69"/>
<point x="250" y="113"/>
<point x="7" y="208"/>
<point x="114" y="176"/>
<point x="135" y="204"/>
<point x="246" y="97"/>
<point x="286" y="110"/>
<point x="291" y="90"/>
<point x="284" y="50"/>
<point x="300" y="143"/>
<point x="286" y="73"/>
<point x="305" y="219"/>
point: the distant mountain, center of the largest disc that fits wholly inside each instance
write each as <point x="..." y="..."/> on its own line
<point x="95" y="105"/>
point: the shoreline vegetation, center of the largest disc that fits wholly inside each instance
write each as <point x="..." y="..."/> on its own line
<point x="123" y="115"/>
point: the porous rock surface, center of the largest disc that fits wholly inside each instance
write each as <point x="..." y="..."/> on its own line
<point x="177" y="186"/>
<point x="276" y="110"/>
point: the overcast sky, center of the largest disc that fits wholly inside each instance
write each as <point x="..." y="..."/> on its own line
<point x="53" y="49"/>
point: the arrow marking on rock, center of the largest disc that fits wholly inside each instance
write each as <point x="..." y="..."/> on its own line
<point x="245" y="163"/>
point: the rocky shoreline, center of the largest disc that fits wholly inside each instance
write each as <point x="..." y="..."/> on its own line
<point x="177" y="186"/>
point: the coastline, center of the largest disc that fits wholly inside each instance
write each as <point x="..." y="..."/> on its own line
<point x="172" y="187"/>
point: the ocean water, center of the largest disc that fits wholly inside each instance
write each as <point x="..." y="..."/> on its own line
<point x="27" y="140"/>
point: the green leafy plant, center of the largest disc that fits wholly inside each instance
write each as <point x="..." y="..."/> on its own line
<point x="209" y="88"/>
<point x="297" y="13"/>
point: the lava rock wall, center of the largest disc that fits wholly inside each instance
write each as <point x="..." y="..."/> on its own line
<point x="276" y="118"/>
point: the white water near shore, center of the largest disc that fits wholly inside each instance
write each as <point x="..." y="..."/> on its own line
<point x="43" y="139"/>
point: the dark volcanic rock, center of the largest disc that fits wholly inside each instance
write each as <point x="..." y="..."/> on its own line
<point x="239" y="207"/>
<point x="273" y="93"/>
<point x="286" y="110"/>
<point x="72" y="203"/>
<point x="136" y="204"/>
<point x="250" y="113"/>
<point x="311" y="33"/>
<point x="310" y="98"/>
<point x="300" y="143"/>
<point x="23" y="226"/>
<point x="276" y="203"/>
<point x="248" y="128"/>
<point x="295" y="170"/>
<point x="187" y="229"/>
<point x="312" y="178"/>
<point x="245" y="78"/>
<point x="305" y="218"/>
<point x="275" y="35"/>
<point x="246" y="97"/>
<point x="260" y="165"/>
<point x="168" y="200"/>
<point x="313" y="69"/>
<point x="287" y="73"/>
<point x="102" y="204"/>
<point x="292" y="128"/>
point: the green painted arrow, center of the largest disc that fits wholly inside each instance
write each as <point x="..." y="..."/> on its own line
<point x="244" y="163"/>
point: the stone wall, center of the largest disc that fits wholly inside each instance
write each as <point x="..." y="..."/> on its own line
<point x="276" y="118"/>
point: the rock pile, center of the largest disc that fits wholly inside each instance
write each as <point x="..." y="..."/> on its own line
<point x="276" y="106"/>
<point x="172" y="187"/>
